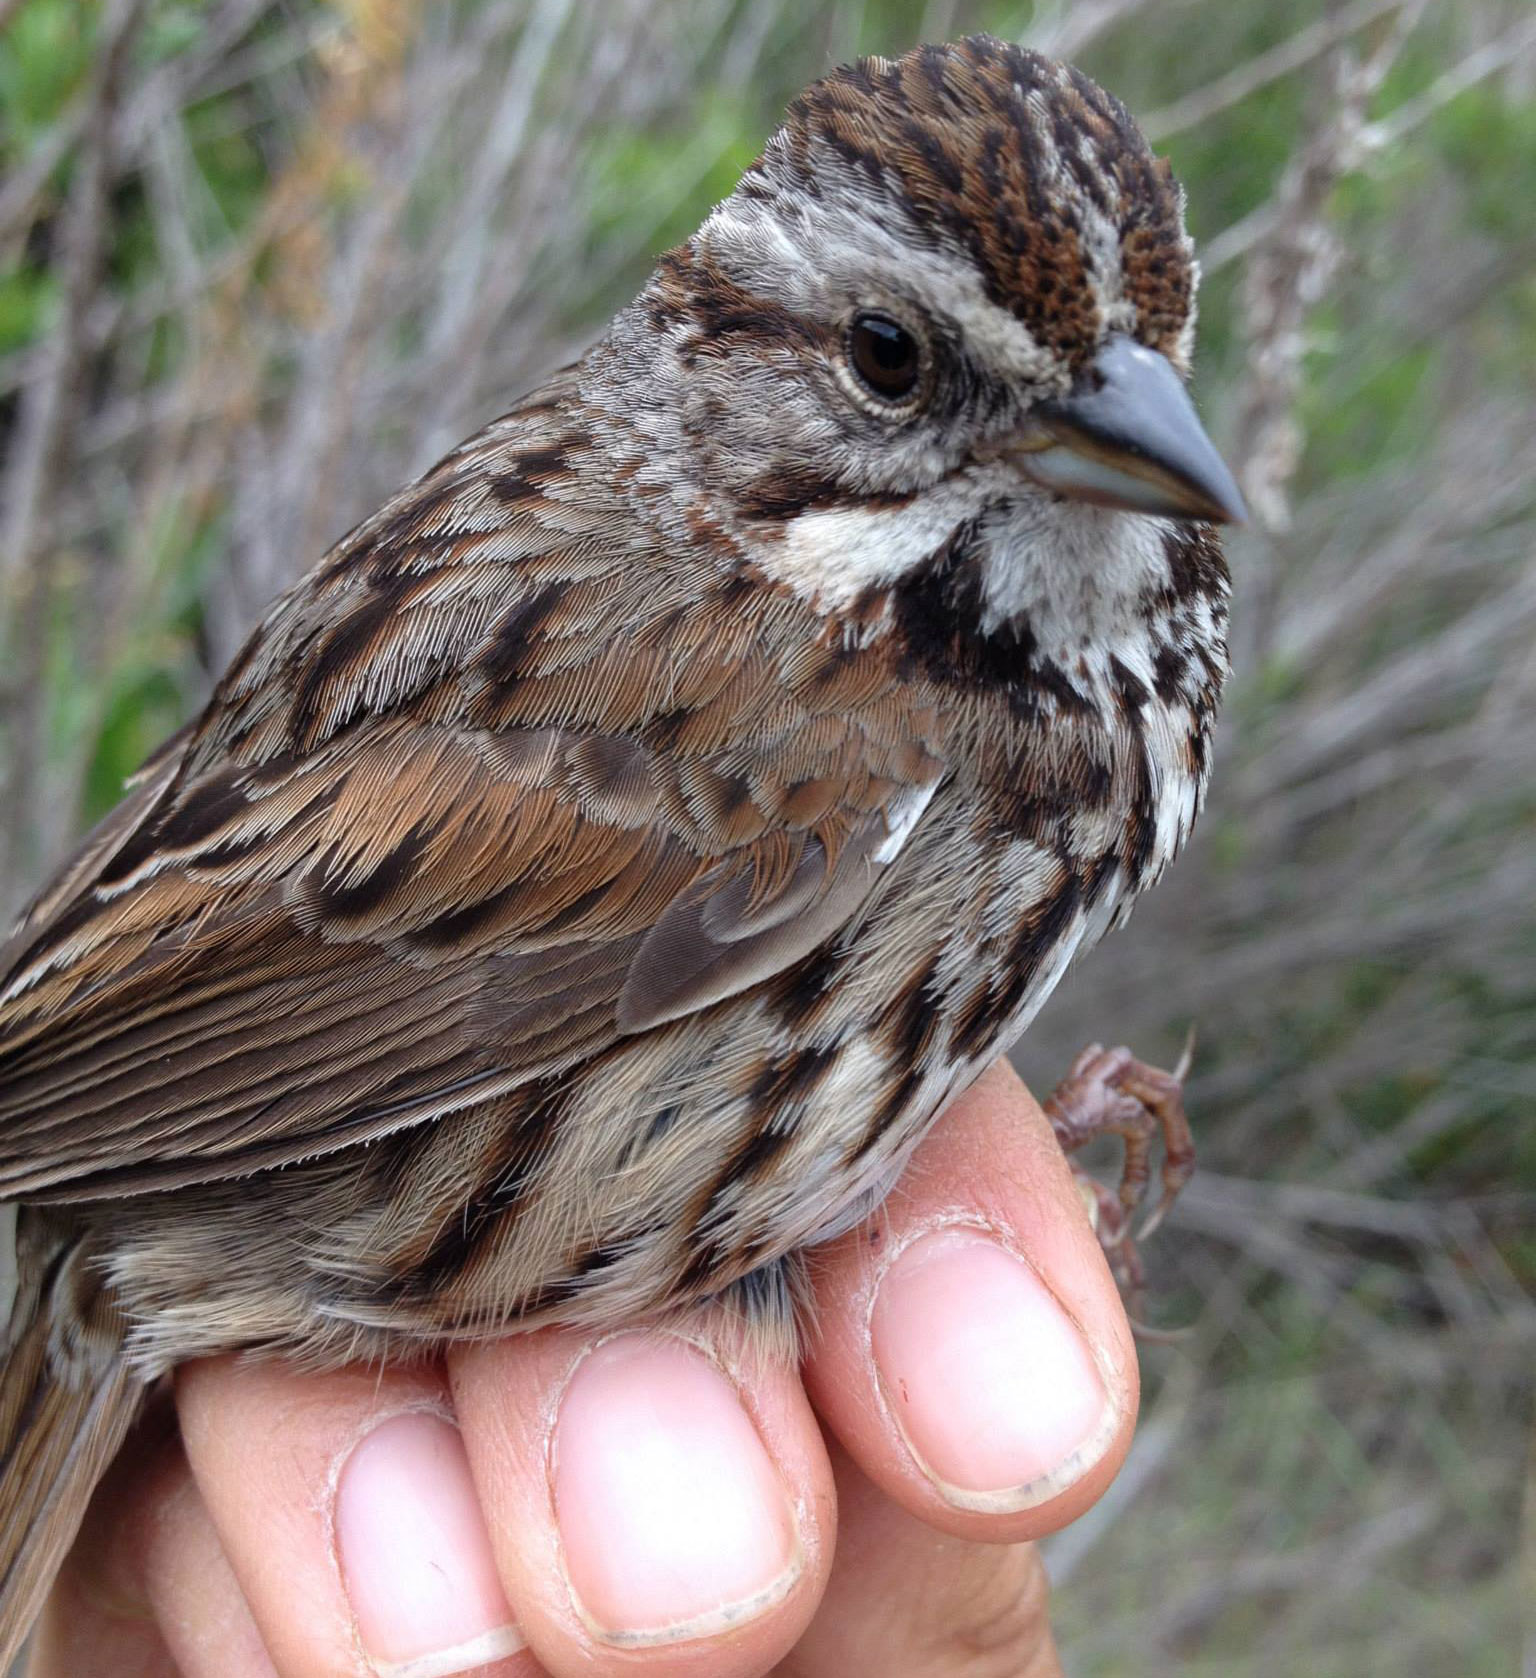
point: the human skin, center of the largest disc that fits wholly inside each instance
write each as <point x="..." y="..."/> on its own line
<point x="659" y="1501"/>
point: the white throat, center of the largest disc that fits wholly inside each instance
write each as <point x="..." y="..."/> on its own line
<point x="1076" y="574"/>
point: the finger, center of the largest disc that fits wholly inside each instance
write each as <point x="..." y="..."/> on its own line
<point x="196" y="1599"/>
<point x="146" y="1591"/>
<point x="971" y="1350"/>
<point x="907" y="1602"/>
<point x="658" y="1502"/>
<point x="344" y="1504"/>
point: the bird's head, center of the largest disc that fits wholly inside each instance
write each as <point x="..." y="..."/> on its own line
<point x="953" y="299"/>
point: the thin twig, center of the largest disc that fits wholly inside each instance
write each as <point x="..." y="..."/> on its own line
<point x="48" y="413"/>
<point x="1499" y="54"/>
<point x="1266" y="67"/>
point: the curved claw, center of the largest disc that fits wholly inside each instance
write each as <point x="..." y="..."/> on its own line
<point x="1160" y="1336"/>
<point x="1110" y="1092"/>
<point x="1186" y="1056"/>
<point x="1155" y="1217"/>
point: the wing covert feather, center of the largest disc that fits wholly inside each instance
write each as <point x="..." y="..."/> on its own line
<point x="308" y="927"/>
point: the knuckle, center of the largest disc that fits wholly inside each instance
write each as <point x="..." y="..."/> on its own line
<point x="999" y="1628"/>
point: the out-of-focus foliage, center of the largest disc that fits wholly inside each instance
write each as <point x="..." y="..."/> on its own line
<point x="259" y="262"/>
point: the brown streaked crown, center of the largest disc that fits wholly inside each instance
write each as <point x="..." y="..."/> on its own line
<point x="1022" y="163"/>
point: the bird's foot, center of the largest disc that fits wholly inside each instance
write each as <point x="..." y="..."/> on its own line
<point x="1108" y="1092"/>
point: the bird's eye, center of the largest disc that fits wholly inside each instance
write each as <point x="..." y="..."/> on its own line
<point x="885" y="356"/>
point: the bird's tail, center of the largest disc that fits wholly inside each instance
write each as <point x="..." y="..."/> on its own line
<point x="67" y="1397"/>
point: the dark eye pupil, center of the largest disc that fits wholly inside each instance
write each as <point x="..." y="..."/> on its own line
<point x="885" y="355"/>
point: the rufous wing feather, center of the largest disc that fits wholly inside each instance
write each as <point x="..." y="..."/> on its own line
<point x="408" y="920"/>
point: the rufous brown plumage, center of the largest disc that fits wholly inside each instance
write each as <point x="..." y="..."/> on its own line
<point x="591" y="879"/>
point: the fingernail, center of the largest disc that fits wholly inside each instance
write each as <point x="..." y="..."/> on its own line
<point x="998" y="1394"/>
<point x="415" y="1554"/>
<point x="673" y="1520"/>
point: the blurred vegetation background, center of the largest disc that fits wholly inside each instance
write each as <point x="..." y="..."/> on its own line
<point x="262" y="260"/>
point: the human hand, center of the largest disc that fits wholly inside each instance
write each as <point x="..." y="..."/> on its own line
<point x="565" y="1503"/>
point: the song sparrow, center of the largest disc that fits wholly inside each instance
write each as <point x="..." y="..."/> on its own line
<point x="589" y="881"/>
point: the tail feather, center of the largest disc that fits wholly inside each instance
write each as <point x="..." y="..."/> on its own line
<point x="67" y="1397"/>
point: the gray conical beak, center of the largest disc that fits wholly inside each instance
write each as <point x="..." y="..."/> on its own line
<point x="1131" y="438"/>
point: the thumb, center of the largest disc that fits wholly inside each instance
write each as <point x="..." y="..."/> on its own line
<point x="914" y="1603"/>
